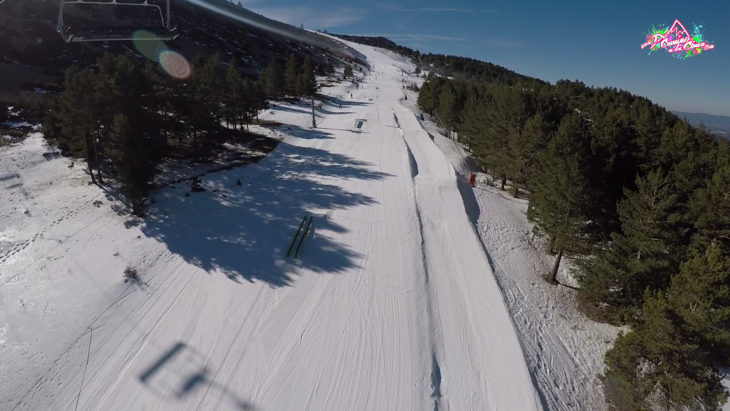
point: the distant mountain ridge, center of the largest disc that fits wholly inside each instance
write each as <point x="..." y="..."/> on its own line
<point x="717" y="125"/>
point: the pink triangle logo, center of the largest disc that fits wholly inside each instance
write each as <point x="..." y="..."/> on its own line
<point x="677" y="31"/>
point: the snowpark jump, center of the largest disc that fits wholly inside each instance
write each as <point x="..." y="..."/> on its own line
<point x="391" y="305"/>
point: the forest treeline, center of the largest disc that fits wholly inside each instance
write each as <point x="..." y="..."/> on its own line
<point x="124" y="116"/>
<point x="642" y="200"/>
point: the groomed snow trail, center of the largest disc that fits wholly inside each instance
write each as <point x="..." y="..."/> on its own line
<point x="392" y="305"/>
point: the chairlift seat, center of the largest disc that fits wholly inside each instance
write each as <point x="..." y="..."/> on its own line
<point x="72" y="33"/>
<point x="117" y="33"/>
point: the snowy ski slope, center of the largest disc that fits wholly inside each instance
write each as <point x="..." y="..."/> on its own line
<point x="392" y="305"/>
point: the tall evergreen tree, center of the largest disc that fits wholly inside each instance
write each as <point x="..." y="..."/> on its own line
<point x="134" y="156"/>
<point x="257" y="100"/>
<point x="77" y="116"/>
<point x="272" y="80"/>
<point x="474" y="128"/>
<point x="643" y="256"/>
<point x="686" y="154"/>
<point x="711" y="204"/>
<point x="668" y="359"/>
<point x="428" y="97"/>
<point x="164" y="92"/>
<point x="504" y="119"/>
<point x="207" y="80"/>
<point x="306" y="82"/>
<point x="700" y="296"/>
<point x="558" y="204"/>
<point x="448" y="107"/>
<point x="120" y="87"/>
<point x="292" y="75"/>
<point x="524" y="149"/>
<point x="237" y="95"/>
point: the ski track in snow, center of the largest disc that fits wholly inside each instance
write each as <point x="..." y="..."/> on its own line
<point x="392" y="305"/>
<point x="564" y="350"/>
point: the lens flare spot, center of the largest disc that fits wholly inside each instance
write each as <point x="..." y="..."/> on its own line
<point x="175" y="64"/>
<point x="148" y="44"/>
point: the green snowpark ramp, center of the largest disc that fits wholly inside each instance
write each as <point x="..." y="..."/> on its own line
<point x="305" y="229"/>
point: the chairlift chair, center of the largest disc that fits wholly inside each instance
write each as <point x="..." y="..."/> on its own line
<point x="72" y="33"/>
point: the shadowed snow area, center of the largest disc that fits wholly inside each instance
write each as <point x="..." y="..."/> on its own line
<point x="391" y="305"/>
<point x="244" y="231"/>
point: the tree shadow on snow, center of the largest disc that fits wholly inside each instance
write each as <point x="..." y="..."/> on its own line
<point x="336" y="112"/>
<point x="336" y="101"/>
<point x="306" y="133"/>
<point x="289" y="109"/>
<point x="244" y="231"/>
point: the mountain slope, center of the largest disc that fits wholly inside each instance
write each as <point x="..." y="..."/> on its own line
<point x="34" y="56"/>
<point x="391" y="306"/>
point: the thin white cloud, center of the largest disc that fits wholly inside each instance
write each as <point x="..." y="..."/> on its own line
<point x="311" y="18"/>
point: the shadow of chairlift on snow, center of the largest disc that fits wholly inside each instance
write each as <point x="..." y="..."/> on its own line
<point x="182" y="371"/>
<point x="305" y="133"/>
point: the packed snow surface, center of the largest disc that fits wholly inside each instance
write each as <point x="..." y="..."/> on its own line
<point x="391" y="306"/>
<point x="564" y="349"/>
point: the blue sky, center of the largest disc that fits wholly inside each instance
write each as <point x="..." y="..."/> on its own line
<point x="591" y="41"/>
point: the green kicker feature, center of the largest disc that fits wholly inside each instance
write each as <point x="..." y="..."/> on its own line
<point x="305" y="227"/>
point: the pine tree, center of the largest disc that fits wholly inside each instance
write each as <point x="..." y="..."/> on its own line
<point x="558" y="203"/>
<point x="207" y="84"/>
<point x="120" y="87"/>
<point x="236" y="96"/>
<point x="428" y="97"/>
<point x="711" y="204"/>
<point x="272" y="80"/>
<point x="657" y="365"/>
<point x="448" y="107"/>
<point x="700" y="296"/>
<point x="51" y="126"/>
<point x="204" y="106"/>
<point x="77" y="116"/>
<point x="501" y="128"/>
<point x="134" y="156"/>
<point x="668" y="359"/>
<point x="257" y="101"/>
<point x="306" y="82"/>
<point x="473" y="128"/>
<point x="329" y="69"/>
<point x="614" y="166"/>
<point x="164" y="92"/>
<point x="686" y="154"/>
<point x="524" y="149"/>
<point x="643" y="256"/>
<point x="292" y="75"/>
